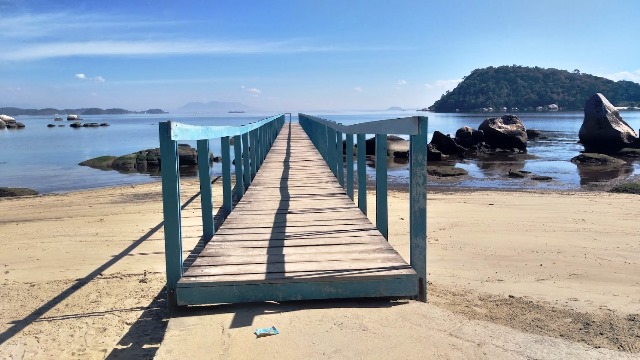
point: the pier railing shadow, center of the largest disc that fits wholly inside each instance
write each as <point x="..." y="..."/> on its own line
<point x="38" y="313"/>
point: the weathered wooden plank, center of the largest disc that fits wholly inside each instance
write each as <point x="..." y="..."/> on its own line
<point x="206" y="196"/>
<point x="311" y="266"/>
<point x="227" y="201"/>
<point x="379" y="255"/>
<point x="171" y="209"/>
<point x="284" y="291"/>
<point x="341" y="248"/>
<point x="418" y="206"/>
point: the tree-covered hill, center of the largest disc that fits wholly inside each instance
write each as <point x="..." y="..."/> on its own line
<point x="527" y="88"/>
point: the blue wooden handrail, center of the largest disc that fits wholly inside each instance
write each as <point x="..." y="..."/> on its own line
<point x="251" y="145"/>
<point x="327" y="136"/>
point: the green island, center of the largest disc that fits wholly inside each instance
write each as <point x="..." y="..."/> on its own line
<point x="522" y="88"/>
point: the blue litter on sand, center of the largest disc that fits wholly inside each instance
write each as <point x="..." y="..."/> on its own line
<point x="267" y="331"/>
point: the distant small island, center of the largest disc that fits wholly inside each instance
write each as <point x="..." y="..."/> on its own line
<point x="13" y="111"/>
<point x="521" y="88"/>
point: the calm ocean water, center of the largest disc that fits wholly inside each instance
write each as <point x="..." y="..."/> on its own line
<point x="46" y="159"/>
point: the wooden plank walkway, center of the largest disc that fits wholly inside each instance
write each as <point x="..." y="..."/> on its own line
<point x="295" y="235"/>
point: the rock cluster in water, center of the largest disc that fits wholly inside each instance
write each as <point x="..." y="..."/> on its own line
<point x="7" y="122"/>
<point x="495" y="135"/>
<point x="145" y="161"/>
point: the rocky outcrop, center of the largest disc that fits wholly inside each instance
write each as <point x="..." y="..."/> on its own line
<point x="396" y="146"/>
<point x="7" y="122"/>
<point x="433" y="154"/>
<point x="142" y="161"/>
<point x="445" y="144"/>
<point x="533" y="134"/>
<point x="593" y="159"/>
<point x="506" y="132"/>
<point x="10" y="192"/>
<point x="7" y="119"/>
<point x="468" y="137"/>
<point x="603" y="130"/>
<point x="446" y="171"/>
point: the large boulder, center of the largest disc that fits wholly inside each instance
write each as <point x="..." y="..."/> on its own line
<point x="143" y="161"/>
<point x="603" y="130"/>
<point x="506" y="132"/>
<point x="445" y="144"/>
<point x="7" y="119"/>
<point x="468" y="137"/>
<point x="396" y="146"/>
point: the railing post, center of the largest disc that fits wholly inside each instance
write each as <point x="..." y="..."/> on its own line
<point x="237" y="153"/>
<point x="246" y="172"/>
<point x="171" y="210"/>
<point x="349" y="157"/>
<point x="331" y="153"/>
<point x="227" y="201"/>
<point x="206" y="197"/>
<point x="418" y="206"/>
<point x="381" y="185"/>
<point x="252" y="150"/>
<point x="362" y="173"/>
<point x="339" y="159"/>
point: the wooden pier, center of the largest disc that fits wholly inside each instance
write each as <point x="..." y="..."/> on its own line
<point x="294" y="235"/>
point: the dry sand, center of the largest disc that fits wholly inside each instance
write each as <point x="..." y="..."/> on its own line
<point x="540" y="275"/>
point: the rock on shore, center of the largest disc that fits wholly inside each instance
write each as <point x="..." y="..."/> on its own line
<point x="603" y="130"/>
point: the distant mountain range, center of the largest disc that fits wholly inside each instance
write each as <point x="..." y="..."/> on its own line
<point x="14" y="111"/>
<point x="214" y="107"/>
<point x="529" y="88"/>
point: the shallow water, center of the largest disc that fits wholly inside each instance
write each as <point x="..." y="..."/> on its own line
<point x="45" y="159"/>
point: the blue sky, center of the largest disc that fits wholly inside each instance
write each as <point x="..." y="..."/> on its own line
<point x="295" y="55"/>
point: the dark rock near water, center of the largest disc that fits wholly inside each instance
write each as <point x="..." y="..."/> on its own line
<point x="468" y="137"/>
<point x="445" y="144"/>
<point x="533" y="134"/>
<point x="506" y="132"/>
<point x="104" y="124"/>
<point x="446" y="171"/>
<point x="142" y="161"/>
<point x="592" y="159"/>
<point x="76" y="125"/>
<point x="603" y="129"/>
<point x="629" y="153"/>
<point x="395" y="144"/>
<point x="10" y="192"/>
<point x="433" y="154"/>
<point x="541" y="178"/>
<point x="51" y="125"/>
<point x="517" y="174"/>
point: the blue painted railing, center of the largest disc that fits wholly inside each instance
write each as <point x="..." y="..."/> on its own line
<point x="327" y="137"/>
<point x="251" y="145"/>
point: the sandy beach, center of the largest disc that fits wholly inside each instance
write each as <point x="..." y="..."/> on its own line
<point x="512" y="274"/>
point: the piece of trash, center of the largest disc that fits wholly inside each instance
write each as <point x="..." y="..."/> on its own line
<point x="267" y="331"/>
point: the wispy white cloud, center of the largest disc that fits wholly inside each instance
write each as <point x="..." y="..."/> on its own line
<point x="254" y="91"/>
<point x="358" y="89"/>
<point x="625" y="75"/>
<point x="401" y="82"/>
<point x="59" y="35"/>
<point x="444" y="84"/>
<point x="83" y="77"/>
<point x="146" y="48"/>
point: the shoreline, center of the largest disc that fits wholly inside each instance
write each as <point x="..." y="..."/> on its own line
<point x="83" y="276"/>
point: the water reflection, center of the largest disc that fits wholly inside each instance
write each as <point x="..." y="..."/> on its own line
<point x="595" y="174"/>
